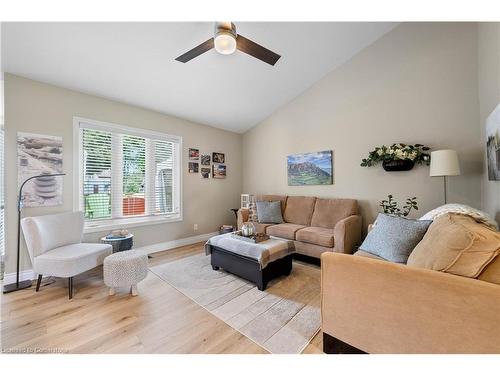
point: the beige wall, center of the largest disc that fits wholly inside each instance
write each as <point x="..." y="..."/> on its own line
<point x="489" y="98"/>
<point x="417" y="84"/>
<point x="36" y="107"/>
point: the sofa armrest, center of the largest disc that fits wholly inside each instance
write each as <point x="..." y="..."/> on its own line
<point x="383" y="307"/>
<point x="242" y="217"/>
<point x="347" y="234"/>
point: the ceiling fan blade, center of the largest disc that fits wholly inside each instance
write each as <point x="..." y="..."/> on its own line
<point x="256" y="50"/>
<point x="196" y="51"/>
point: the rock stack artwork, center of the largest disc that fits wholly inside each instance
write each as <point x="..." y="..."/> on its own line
<point x="40" y="154"/>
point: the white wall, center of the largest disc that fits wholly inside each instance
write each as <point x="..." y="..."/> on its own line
<point x="417" y="84"/>
<point x="489" y="98"/>
<point x="36" y="107"/>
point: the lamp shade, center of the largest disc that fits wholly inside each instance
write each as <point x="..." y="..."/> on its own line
<point x="444" y="163"/>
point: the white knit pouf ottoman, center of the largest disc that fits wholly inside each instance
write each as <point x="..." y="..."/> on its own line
<point x="125" y="269"/>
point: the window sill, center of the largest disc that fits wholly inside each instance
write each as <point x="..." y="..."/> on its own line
<point x="93" y="227"/>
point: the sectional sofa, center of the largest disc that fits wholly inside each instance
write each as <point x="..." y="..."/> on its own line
<point x="316" y="225"/>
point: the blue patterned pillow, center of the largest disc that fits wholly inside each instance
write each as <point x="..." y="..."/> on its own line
<point x="394" y="238"/>
<point x="269" y="212"/>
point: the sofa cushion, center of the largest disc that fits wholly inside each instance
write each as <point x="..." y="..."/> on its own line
<point x="286" y="230"/>
<point x="269" y="212"/>
<point x="261" y="227"/>
<point x="361" y="253"/>
<point x="299" y="210"/>
<point x="316" y="235"/>
<point x="273" y="198"/>
<point x="327" y="212"/>
<point x="394" y="238"/>
<point x="456" y="244"/>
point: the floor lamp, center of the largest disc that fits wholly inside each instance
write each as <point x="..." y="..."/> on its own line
<point x="444" y="163"/>
<point x="18" y="285"/>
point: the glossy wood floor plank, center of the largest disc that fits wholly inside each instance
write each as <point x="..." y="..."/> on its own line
<point x="159" y="320"/>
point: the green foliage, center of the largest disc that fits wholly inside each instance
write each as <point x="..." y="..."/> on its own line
<point x="398" y="151"/>
<point x="390" y="206"/>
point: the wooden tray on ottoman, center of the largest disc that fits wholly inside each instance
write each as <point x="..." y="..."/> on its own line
<point x="256" y="238"/>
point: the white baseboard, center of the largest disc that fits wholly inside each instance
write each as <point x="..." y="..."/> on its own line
<point x="10" y="278"/>
<point x="162" y="246"/>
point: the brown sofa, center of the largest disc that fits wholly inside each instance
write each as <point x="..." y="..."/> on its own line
<point x="375" y="306"/>
<point x="316" y="225"/>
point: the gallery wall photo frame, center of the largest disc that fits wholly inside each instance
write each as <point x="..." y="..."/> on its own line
<point x="205" y="173"/>
<point x="194" y="154"/>
<point x="219" y="171"/>
<point x="218" y="158"/>
<point x="193" y="167"/>
<point x="205" y="159"/>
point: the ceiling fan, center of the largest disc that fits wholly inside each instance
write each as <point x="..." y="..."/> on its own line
<point x="226" y="41"/>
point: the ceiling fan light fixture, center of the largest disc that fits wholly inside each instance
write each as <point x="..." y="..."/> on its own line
<point x="225" y="43"/>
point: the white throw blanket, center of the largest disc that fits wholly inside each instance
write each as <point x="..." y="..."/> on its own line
<point x="461" y="209"/>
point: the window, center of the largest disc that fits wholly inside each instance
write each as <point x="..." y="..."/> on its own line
<point x="126" y="176"/>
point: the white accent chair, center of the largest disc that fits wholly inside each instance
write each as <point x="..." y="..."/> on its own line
<point x="55" y="246"/>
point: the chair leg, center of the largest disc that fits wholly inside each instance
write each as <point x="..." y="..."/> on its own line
<point x="38" y="282"/>
<point x="70" y="285"/>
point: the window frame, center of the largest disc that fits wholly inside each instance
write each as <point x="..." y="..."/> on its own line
<point x="123" y="222"/>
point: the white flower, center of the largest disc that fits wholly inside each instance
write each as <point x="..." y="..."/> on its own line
<point x="380" y="152"/>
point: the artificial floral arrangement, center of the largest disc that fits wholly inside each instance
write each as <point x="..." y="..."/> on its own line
<point x="390" y="206"/>
<point x="417" y="154"/>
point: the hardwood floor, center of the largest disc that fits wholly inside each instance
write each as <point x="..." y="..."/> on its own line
<point x="159" y="320"/>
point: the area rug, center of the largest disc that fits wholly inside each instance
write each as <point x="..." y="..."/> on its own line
<point x="282" y="319"/>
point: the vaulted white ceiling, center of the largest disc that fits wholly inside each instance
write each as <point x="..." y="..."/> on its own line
<point x="134" y="63"/>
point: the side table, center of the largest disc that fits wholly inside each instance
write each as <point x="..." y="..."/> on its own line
<point x="120" y="243"/>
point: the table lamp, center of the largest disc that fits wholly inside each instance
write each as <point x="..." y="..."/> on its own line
<point x="444" y="163"/>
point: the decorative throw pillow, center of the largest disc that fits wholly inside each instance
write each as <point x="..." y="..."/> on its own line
<point x="269" y="212"/>
<point x="456" y="244"/>
<point x="394" y="238"/>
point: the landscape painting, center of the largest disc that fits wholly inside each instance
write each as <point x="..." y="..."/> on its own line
<point x="493" y="144"/>
<point x="40" y="154"/>
<point x="314" y="168"/>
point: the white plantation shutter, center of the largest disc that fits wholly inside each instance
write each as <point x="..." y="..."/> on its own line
<point x="128" y="174"/>
<point x="2" y="220"/>
<point x="96" y="174"/>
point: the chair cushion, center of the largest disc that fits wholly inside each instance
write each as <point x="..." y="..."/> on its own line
<point x="43" y="233"/>
<point x="328" y="212"/>
<point x="394" y="238"/>
<point x="269" y="212"/>
<point x="316" y="236"/>
<point x="456" y="244"/>
<point x="299" y="210"/>
<point x="71" y="260"/>
<point x="285" y="230"/>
